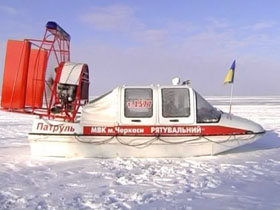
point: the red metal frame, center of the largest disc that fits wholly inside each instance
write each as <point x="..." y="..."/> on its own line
<point x="56" y="45"/>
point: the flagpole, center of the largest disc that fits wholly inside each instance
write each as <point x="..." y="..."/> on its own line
<point x="230" y="100"/>
<point x="229" y="80"/>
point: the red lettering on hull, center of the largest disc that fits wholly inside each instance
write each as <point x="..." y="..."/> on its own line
<point x="195" y="130"/>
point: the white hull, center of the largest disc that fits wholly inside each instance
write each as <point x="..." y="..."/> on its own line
<point x="144" y="147"/>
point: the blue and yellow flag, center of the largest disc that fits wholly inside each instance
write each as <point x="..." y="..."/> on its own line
<point x="230" y="75"/>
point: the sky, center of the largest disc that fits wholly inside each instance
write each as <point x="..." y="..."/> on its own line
<point x="151" y="41"/>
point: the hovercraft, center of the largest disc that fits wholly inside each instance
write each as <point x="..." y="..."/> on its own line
<point x="144" y="121"/>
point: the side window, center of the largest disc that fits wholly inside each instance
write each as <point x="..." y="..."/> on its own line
<point x="138" y="102"/>
<point x="175" y="102"/>
<point x="205" y="112"/>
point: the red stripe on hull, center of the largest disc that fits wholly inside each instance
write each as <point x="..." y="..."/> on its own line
<point x="195" y="130"/>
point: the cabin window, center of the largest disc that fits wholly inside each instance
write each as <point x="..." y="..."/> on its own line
<point x="175" y="102"/>
<point x="205" y="112"/>
<point x="138" y="102"/>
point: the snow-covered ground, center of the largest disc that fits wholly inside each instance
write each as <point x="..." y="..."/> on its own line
<point x="245" y="178"/>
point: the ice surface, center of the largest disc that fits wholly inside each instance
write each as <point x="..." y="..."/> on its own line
<point x="245" y="178"/>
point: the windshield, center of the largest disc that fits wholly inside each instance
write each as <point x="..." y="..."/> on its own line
<point x="205" y="112"/>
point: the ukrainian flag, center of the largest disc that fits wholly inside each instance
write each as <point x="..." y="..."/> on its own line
<point x="230" y="75"/>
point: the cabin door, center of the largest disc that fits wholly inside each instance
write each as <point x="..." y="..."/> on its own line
<point x="176" y="106"/>
<point x="138" y="106"/>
